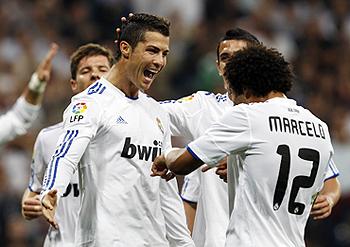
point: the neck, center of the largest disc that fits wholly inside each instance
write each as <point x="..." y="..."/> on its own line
<point x="270" y="95"/>
<point x="118" y="77"/>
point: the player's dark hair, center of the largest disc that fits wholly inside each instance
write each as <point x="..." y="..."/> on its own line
<point x="134" y="28"/>
<point x="237" y="34"/>
<point x="88" y="50"/>
<point x="260" y="70"/>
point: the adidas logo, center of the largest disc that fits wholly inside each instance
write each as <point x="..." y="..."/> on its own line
<point x="121" y="120"/>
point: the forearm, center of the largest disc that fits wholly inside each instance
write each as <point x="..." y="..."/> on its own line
<point x="190" y="211"/>
<point x="181" y="162"/>
<point x="17" y="120"/>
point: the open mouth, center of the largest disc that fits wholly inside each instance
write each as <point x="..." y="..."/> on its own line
<point x="149" y="74"/>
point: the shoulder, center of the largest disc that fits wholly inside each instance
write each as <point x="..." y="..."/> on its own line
<point x="51" y="130"/>
<point x="49" y="134"/>
<point x="152" y="104"/>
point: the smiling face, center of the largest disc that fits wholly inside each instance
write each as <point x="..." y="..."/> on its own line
<point x="90" y="69"/>
<point x="147" y="59"/>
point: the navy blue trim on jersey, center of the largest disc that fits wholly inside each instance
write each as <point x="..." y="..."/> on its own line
<point x="193" y="154"/>
<point x="334" y="176"/>
<point x="31" y="180"/>
<point x="133" y="98"/>
<point x="31" y="190"/>
<point x="332" y="168"/>
<point x="188" y="201"/>
<point x="97" y="87"/>
<point x="65" y="145"/>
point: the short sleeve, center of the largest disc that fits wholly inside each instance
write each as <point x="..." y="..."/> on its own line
<point x="230" y="135"/>
<point x="182" y="112"/>
<point x="332" y="170"/>
<point x="191" y="187"/>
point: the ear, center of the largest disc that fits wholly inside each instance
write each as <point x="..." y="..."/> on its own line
<point x="74" y="85"/>
<point x="125" y="49"/>
<point x="218" y="67"/>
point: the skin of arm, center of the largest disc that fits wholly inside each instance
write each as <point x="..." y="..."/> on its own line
<point x="43" y="72"/>
<point x="325" y="201"/>
<point x="178" y="160"/>
<point x="31" y="205"/>
<point x="190" y="211"/>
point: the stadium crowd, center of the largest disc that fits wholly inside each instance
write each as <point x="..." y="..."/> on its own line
<point x="314" y="35"/>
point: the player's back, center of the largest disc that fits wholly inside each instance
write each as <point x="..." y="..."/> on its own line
<point x="282" y="169"/>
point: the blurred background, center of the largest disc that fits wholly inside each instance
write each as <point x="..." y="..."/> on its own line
<point x="313" y="35"/>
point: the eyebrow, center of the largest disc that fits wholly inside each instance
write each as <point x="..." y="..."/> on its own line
<point x="157" y="48"/>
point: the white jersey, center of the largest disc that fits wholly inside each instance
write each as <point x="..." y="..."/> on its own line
<point x="116" y="138"/>
<point x="67" y="211"/>
<point x="190" y="117"/>
<point x="283" y="152"/>
<point x="17" y="120"/>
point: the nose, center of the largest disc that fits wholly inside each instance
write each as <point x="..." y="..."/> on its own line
<point x="95" y="76"/>
<point x="159" y="60"/>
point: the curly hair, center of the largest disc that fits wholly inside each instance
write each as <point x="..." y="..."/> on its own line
<point x="134" y="28"/>
<point x="260" y="70"/>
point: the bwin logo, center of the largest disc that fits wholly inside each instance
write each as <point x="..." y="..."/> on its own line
<point x="143" y="152"/>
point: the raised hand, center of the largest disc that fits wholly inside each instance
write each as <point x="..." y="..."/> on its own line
<point x="44" y="69"/>
<point x="118" y="29"/>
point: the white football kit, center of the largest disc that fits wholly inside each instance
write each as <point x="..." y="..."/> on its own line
<point x="283" y="152"/>
<point x="190" y="117"/>
<point x="17" y="120"/>
<point x="67" y="210"/>
<point x="116" y="138"/>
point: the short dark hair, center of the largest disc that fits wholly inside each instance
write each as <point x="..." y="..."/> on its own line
<point x="237" y="34"/>
<point x="134" y="28"/>
<point x="88" y="50"/>
<point x="260" y="70"/>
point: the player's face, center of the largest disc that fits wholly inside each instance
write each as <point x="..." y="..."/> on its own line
<point x="147" y="59"/>
<point x="90" y="69"/>
<point x="227" y="49"/>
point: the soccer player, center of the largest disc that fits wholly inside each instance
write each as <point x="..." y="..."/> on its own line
<point x="190" y="117"/>
<point x="280" y="149"/>
<point x="22" y="115"/>
<point x="204" y="195"/>
<point x="88" y="64"/>
<point x="115" y="131"/>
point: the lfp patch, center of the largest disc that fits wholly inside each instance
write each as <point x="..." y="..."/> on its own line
<point x="79" y="108"/>
<point x="185" y="99"/>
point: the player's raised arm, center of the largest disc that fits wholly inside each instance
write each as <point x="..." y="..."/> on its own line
<point x="36" y="87"/>
<point x="22" y="115"/>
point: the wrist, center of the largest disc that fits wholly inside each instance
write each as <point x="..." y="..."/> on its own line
<point x="36" y="85"/>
